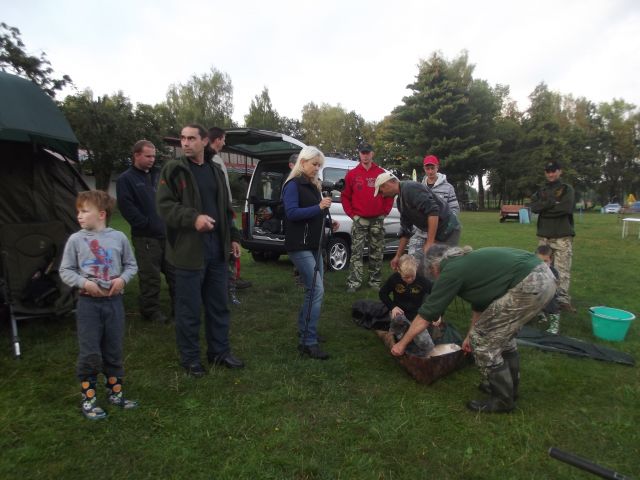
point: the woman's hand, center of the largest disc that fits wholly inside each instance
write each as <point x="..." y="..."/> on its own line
<point x="335" y="225"/>
<point x="396" y="312"/>
<point x="325" y="203"/>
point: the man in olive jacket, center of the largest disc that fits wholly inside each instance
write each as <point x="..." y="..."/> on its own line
<point x="554" y="205"/>
<point x="192" y="199"/>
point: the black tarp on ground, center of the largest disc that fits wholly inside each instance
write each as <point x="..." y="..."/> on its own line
<point x="532" y="337"/>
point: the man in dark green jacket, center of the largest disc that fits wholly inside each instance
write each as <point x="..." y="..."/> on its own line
<point x="193" y="200"/>
<point x="506" y="289"/>
<point x="554" y="205"/>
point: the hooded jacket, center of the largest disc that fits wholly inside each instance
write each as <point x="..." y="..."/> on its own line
<point x="445" y="191"/>
<point x="179" y="204"/>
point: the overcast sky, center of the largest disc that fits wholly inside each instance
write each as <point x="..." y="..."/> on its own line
<point x="360" y="54"/>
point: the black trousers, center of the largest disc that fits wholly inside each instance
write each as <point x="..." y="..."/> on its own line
<point x="150" y="256"/>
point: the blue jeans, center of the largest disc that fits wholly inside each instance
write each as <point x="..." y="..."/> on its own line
<point x="305" y="262"/>
<point x="195" y="288"/>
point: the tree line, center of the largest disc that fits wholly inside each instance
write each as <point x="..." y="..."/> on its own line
<point x="475" y="128"/>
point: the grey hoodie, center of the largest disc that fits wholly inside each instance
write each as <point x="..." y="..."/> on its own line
<point x="97" y="256"/>
<point x="445" y="191"/>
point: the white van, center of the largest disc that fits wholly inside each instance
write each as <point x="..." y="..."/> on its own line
<point x="263" y="214"/>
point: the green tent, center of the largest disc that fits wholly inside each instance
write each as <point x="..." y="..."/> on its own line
<point x="38" y="180"/>
<point x="27" y="114"/>
<point x="38" y="188"/>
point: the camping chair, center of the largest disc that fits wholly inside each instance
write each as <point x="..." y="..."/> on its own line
<point x="30" y="255"/>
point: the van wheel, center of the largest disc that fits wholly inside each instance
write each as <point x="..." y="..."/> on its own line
<point x="338" y="253"/>
<point x="261" y="256"/>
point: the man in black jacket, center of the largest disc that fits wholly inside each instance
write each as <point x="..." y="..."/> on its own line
<point x="554" y="204"/>
<point x="136" y="191"/>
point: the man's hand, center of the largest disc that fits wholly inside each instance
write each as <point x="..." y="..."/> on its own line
<point x="235" y="249"/>
<point x="204" y="223"/>
<point x="93" y="289"/>
<point x="466" y="345"/>
<point x="117" y="284"/>
<point x="394" y="263"/>
<point x="397" y="350"/>
<point x="335" y="225"/>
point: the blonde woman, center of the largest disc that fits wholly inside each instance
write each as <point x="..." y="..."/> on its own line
<point x="305" y="219"/>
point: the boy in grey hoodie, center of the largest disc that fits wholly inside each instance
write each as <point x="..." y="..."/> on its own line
<point x="99" y="262"/>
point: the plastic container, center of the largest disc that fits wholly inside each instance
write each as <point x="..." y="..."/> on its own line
<point x="610" y="323"/>
<point x="523" y="215"/>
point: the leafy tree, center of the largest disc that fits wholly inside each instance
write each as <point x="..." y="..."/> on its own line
<point x="543" y="140"/>
<point x="449" y="115"/>
<point x="621" y="149"/>
<point x="334" y="130"/>
<point x="206" y="99"/>
<point x="291" y="127"/>
<point x="14" y="59"/>
<point x="584" y="137"/>
<point x="262" y="115"/>
<point x="107" y="127"/>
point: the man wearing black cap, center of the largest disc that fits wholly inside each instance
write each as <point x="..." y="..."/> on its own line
<point x="367" y="212"/>
<point x="554" y="204"/>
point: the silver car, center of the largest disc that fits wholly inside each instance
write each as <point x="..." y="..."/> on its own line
<point x="263" y="214"/>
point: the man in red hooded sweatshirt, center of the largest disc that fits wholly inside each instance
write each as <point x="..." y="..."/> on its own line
<point x="367" y="212"/>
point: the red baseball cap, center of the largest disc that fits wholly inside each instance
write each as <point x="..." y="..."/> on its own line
<point x="430" y="160"/>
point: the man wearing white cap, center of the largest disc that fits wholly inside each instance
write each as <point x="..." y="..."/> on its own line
<point x="418" y="206"/>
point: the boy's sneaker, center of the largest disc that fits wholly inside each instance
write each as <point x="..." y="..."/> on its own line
<point x="92" y="411"/>
<point x="118" y="400"/>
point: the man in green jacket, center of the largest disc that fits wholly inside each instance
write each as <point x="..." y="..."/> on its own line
<point x="193" y="200"/>
<point x="506" y="288"/>
<point x="554" y="204"/>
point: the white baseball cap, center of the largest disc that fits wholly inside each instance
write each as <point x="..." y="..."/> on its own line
<point x="383" y="178"/>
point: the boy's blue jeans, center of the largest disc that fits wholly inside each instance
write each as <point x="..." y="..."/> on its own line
<point x="305" y="262"/>
<point x="100" y="325"/>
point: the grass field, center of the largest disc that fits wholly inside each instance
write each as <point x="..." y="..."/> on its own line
<point x="355" y="416"/>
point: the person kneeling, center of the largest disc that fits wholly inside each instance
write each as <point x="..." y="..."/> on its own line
<point x="409" y="291"/>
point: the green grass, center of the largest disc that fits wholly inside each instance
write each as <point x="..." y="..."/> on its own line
<point x="358" y="415"/>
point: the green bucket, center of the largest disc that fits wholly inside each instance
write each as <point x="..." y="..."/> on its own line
<point x="610" y="323"/>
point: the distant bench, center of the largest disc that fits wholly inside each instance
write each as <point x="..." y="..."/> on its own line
<point x="510" y="212"/>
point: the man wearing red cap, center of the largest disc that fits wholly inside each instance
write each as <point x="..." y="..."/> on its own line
<point x="368" y="212"/>
<point x="437" y="183"/>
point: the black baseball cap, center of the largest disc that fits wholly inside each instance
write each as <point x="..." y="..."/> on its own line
<point x="365" y="147"/>
<point x="552" y="166"/>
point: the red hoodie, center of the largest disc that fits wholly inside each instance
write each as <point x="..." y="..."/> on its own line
<point x="357" y="196"/>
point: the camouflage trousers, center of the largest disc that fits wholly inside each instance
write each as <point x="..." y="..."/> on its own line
<point x="369" y="232"/>
<point x="497" y="327"/>
<point x="562" y="254"/>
